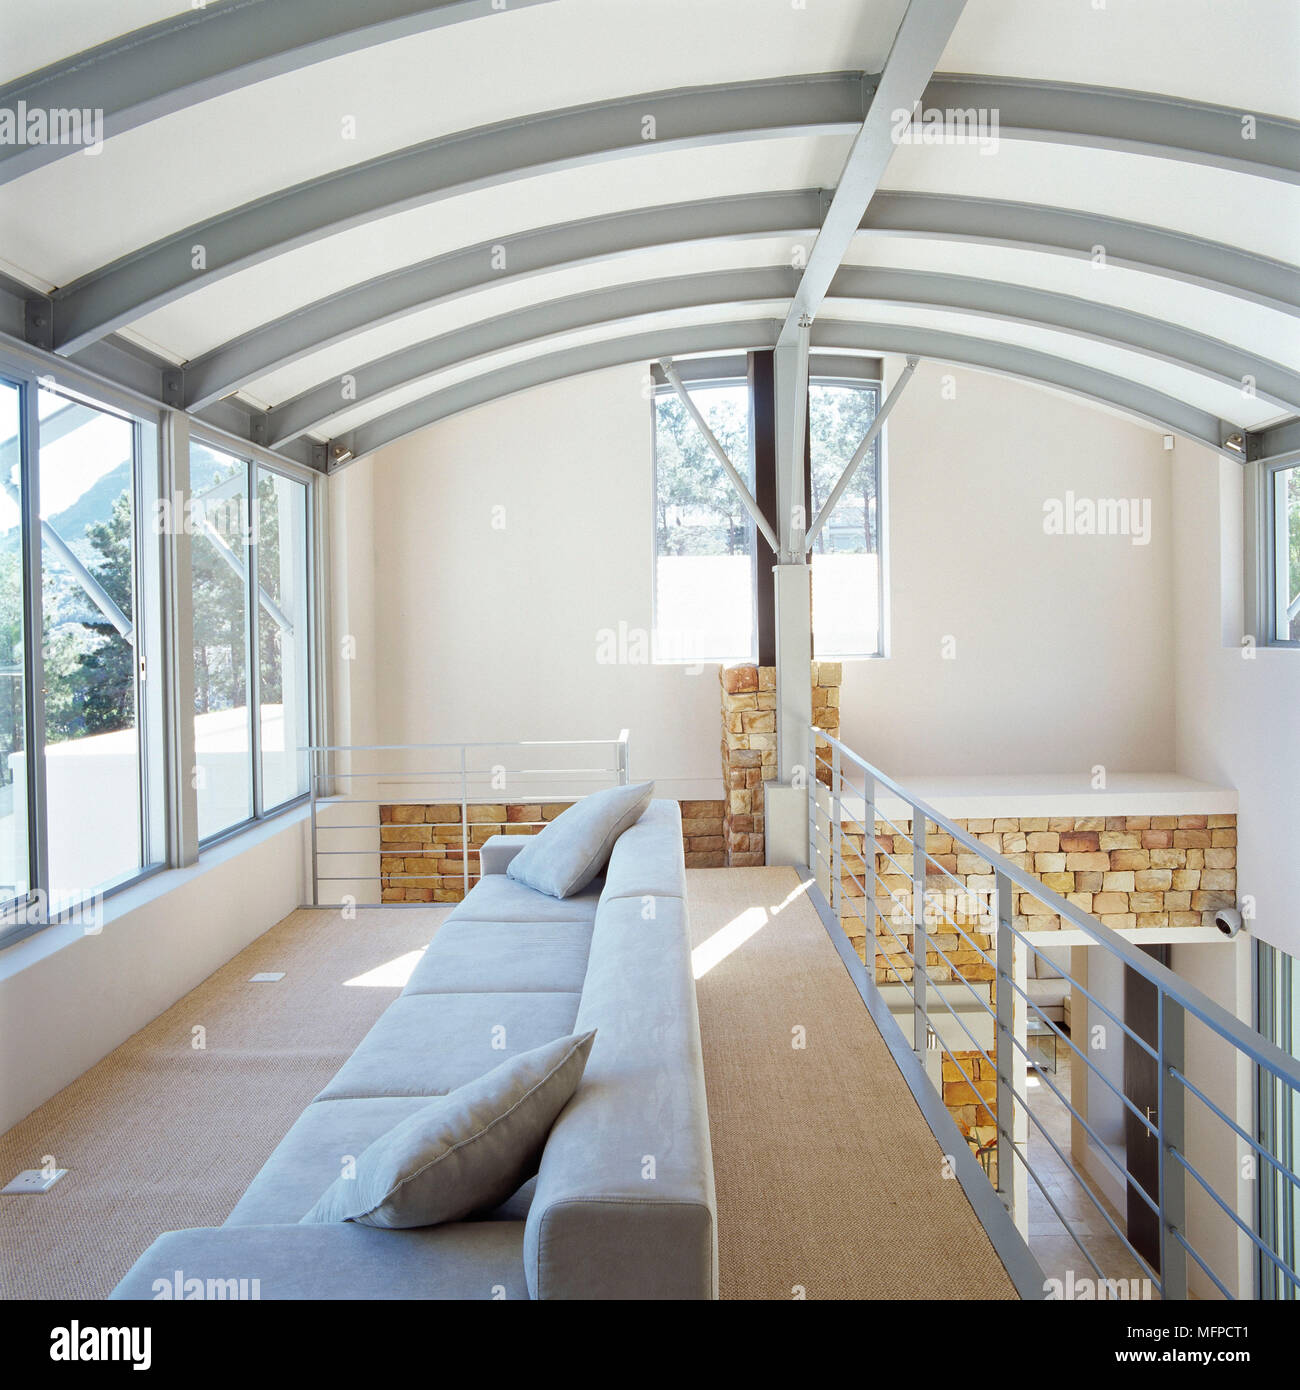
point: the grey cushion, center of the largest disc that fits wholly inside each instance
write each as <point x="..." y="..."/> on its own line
<point x="468" y="956"/>
<point x="428" y="1044"/>
<point x="465" y="1152"/>
<point x="569" y="852"/>
<point x="500" y="898"/>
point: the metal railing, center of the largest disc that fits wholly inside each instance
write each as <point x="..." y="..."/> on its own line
<point x="349" y="783"/>
<point x="843" y="800"/>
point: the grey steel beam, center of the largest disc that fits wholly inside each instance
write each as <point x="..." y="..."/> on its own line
<point x="733" y="367"/>
<point x="918" y="45"/>
<point x="548" y="367"/>
<point x="1274" y="444"/>
<point x="116" y="294"/>
<point x="1068" y="113"/>
<point x="211" y="50"/>
<point x="390" y="297"/>
<point x="1045" y="369"/>
<point x="309" y="411"/>
<point x="1102" y="241"/>
<point x="1152" y="337"/>
<point x="1054" y="231"/>
<point x="1101" y="388"/>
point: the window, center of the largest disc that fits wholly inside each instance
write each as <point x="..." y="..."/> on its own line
<point x="92" y="648"/>
<point x="250" y="593"/>
<point x="1283" y="510"/>
<point x="704" y="537"/>
<point x="282" y="629"/>
<point x="847" y="555"/>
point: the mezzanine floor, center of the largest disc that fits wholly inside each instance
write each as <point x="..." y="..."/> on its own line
<point x="829" y="1181"/>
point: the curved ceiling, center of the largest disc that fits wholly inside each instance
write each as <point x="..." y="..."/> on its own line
<point x="352" y="221"/>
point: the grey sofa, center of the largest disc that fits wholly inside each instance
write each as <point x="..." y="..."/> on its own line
<point x="623" y="1203"/>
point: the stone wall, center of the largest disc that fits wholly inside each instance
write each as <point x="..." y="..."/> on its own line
<point x="749" y="748"/>
<point x="1134" y="873"/>
<point x="423" y="856"/>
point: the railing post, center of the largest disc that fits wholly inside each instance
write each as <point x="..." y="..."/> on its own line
<point x="920" y="948"/>
<point x="1012" y="1069"/>
<point x="869" y="847"/>
<point x="315" y="870"/>
<point x="1170" y="1124"/>
<point x="621" y="758"/>
<point x="812" y="800"/>
<point x="837" y="839"/>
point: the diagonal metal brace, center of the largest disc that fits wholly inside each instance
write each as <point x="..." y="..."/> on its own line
<point x="752" y="507"/>
<point x="859" y="454"/>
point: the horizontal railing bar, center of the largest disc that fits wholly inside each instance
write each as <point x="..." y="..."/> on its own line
<point x="1236" y="1128"/>
<point x="1258" y="1048"/>
<point x="1237" y="1221"/>
<point x="1214" y="1278"/>
<point x="939" y="951"/>
<point x="498" y="743"/>
<point x="1083" y="989"/>
<point x="1088" y="1192"/>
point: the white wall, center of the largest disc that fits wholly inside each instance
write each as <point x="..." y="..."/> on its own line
<point x="490" y="631"/>
<point x="1238" y="720"/>
<point x="1063" y="642"/>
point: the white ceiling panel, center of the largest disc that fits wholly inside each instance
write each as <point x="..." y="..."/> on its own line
<point x="1198" y="49"/>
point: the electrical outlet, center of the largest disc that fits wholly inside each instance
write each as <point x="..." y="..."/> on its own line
<point x="32" y="1180"/>
<point x="266" y="977"/>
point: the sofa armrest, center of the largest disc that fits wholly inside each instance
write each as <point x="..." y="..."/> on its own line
<point x="495" y="854"/>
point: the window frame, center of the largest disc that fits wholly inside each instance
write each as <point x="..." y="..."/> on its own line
<point x="657" y="392"/>
<point x="253" y="460"/>
<point x="883" y="604"/>
<point x="26" y="914"/>
<point x="162" y="591"/>
<point x="1262" y="523"/>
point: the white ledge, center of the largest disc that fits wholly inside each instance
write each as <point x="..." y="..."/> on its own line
<point x="1062" y="794"/>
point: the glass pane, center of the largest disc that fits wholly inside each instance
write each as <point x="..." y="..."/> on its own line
<point x="846" y="573"/>
<point x="282" y="635"/>
<point x="704" y="537"/>
<point x="223" y="772"/>
<point x="1286" y="504"/>
<point x="92" y="736"/>
<point x="14" y="859"/>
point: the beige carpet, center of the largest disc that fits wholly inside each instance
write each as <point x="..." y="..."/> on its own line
<point x="161" y="1134"/>
<point x="829" y="1180"/>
